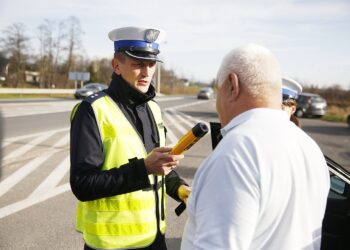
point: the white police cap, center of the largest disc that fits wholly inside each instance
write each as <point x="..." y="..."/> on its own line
<point x="138" y="42"/>
<point x="290" y="88"/>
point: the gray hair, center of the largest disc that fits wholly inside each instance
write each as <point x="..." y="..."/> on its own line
<point x="256" y="67"/>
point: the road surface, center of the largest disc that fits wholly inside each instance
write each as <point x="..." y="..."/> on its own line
<point x="37" y="208"/>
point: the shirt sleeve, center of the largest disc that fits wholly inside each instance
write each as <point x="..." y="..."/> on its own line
<point x="226" y="205"/>
<point x="87" y="180"/>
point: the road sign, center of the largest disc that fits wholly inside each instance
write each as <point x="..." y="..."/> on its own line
<point x="79" y="76"/>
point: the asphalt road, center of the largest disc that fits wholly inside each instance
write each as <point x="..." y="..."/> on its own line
<point x="333" y="139"/>
<point x="37" y="208"/>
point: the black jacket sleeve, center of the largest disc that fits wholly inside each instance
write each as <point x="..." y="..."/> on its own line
<point x="87" y="180"/>
<point x="173" y="182"/>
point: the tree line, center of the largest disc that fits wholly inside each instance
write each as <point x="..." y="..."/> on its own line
<point x="59" y="51"/>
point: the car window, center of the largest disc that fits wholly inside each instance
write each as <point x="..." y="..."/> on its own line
<point x="337" y="184"/>
<point x="301" y="98"/>
<point x="317" y="99"/>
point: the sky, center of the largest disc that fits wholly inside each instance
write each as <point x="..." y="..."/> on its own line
<point x="310" y="38"/>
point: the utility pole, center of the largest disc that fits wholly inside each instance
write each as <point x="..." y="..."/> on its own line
<point x="158" y="78"/>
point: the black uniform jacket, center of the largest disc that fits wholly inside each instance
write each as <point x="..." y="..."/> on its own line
<point x="87" y="180"/>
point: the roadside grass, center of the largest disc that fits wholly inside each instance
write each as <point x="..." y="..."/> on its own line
<point x="336" y="113"/>
<point x="179" y="90"/>
<point x="30" y="96"/>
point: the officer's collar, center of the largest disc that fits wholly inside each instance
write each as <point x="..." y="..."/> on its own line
<point x="122" y="91"/>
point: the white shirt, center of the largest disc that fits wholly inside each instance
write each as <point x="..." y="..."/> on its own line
<point x="265" y="186"/>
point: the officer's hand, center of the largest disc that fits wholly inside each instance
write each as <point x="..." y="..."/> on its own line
<point x="159" y="161"/>
<point x="183" y="192"/>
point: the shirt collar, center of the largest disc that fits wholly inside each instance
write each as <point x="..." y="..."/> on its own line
<point x="256" y="113"/>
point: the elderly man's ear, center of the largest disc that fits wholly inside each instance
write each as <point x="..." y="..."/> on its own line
<point x="233" y="86"/>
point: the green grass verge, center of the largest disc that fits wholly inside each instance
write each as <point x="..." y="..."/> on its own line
<point x="334" y="118"/>
<point x="25" y="96"/>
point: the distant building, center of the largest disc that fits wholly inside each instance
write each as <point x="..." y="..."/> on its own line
<point x="185" y="82"/>
<point x="32" y="76"/>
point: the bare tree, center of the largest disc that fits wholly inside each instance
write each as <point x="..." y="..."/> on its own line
<point x="100" y="70"/>
<point x="15" y="44"/>
<point x="58" y="46"/>
<point x="73" y="42"/>
<point x="46" y="52"/>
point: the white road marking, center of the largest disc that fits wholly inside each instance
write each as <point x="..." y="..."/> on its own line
<point x="53" y="179"/>
<point x="21" y="173"/>
<point x="186" y="105"/>
<point x="175" y="123"/>
<point x="47" y="189"/>
<point x="170" y="135"/>
<point x="195" y="120"/>
<point x="30" y="201"/>
<point x="25" y="148"/>
<point x="179" y="116"/>
<point x="10" y="140"/>
<point x="35" y="108"/>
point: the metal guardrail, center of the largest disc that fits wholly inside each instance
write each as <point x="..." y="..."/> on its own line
<point x="35" y="91"/>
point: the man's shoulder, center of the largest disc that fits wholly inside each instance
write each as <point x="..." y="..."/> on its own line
<point x="85" y="106"/>
<point x="94" y="97"/>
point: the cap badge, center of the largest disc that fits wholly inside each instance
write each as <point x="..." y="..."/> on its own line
<point x="151" y="35"/>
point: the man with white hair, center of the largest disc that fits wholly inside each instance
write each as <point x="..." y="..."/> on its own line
<point x="265" y="185"/>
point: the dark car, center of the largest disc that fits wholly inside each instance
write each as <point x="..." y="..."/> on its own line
<point x="309" y="104"/>
<point x="205" y="93"/>
<point x="336" y="222"/>
<point x="89" y="89"/>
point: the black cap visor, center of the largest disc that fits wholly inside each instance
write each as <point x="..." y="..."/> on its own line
<point x="141" y="53"/>
<point x="142" y="56"/>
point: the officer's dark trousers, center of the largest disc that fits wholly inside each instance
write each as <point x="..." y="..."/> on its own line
<point x="158" y="244"/>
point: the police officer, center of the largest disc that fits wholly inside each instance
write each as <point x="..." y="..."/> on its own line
<point x="290" y="91"/>
<point x="120" y="167"/>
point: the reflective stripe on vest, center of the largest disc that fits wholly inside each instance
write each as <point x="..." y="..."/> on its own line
<point x="128" y="220"/>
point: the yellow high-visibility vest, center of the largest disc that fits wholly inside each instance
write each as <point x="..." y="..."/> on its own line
<point x="128" y="220"/>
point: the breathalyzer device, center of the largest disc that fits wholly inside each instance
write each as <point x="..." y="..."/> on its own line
<point x="190" y="138"/>
<point x="186" y="142"/>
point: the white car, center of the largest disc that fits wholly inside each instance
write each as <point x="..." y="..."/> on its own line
<point x="205" y="93"/>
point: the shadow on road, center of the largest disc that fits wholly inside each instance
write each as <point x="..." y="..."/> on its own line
<point x="173" y="243"/>
<point x="329" y="130"/>
<point x="186" y="172"/>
